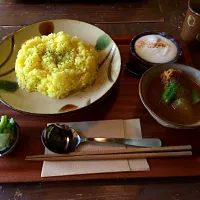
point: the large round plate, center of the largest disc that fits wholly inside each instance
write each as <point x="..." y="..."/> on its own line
<point x="36" y="103"/>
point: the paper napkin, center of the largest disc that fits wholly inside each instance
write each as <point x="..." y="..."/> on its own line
<point x="108" y="128"/>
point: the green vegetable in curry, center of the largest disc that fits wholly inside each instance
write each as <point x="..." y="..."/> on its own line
<point x="195" y="97"/>
<point x="170" y="92"/>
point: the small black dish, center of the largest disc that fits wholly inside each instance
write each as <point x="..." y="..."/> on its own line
<point x="136" y="70"/>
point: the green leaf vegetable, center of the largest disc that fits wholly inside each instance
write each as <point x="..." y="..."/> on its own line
<point x="7" y="132"/>
<point x="170" y="92"/>
<point x="3" y="122"/>
<point x="4" y="141"/>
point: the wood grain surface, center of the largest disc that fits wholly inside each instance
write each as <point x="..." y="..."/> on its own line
<point x="135" y="189"/>
<point x="185" y="188"/>
<point x="122" y="102"/>
<point x="25" y="12"/>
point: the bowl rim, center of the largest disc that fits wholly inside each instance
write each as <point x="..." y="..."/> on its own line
<point x="11" y="148"/>
<point x="163" y="34"/>
<point x="146" y="105"/>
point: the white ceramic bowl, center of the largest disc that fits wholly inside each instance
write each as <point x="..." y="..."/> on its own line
<point x="194" y="75"/>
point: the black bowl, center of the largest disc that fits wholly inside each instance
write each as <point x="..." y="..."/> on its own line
<point x="137" y="64"/>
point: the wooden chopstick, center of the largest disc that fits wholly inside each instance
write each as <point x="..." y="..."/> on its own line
<point x="113" y="156"/>
<point x="131" y="150"/>
<point x="112" y="152"/>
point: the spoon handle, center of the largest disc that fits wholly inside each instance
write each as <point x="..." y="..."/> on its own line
<point x="143" y="142"/>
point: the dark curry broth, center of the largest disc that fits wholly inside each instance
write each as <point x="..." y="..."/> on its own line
<point x="166" y="111"/>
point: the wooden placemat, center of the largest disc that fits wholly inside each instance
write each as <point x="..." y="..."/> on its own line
<point x="14" y="12"/>
<point x="120" y="103"/>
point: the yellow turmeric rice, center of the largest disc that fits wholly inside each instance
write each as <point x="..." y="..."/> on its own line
<point x="56" y="65"/>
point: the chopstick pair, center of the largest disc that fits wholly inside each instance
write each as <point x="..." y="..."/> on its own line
<point x="133" y="153"/>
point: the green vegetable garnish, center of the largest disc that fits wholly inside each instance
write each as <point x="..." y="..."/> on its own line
<point x="4" y="140"/>
<point x="170" y="92"/>
<point x="8" y="86"/>
<point x="195" y="97"/>
<point x="11" y="121"/>
<point x="3" y="123"/>
<point x="10" y="126"/>
<point x="7" y="132"/>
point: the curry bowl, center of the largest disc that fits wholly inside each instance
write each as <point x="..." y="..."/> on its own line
<point x="152" y="90"/>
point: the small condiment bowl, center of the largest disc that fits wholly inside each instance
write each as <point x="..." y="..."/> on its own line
<point x="137" y="65"/>
<point x="11" y="148"/>
<point x="192" y="73"/>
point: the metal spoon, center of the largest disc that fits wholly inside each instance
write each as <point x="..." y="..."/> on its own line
<point x="63" y="139"/>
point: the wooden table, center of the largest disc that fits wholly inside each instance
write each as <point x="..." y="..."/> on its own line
<point x="167" y="188"/>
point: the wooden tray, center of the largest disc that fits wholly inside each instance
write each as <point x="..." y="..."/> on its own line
<point x="122" y="102"/>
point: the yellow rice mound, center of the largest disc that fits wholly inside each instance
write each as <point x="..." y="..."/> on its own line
<point x="56" y="65"/>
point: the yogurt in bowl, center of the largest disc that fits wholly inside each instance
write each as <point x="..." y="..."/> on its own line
<point x="152" y="48"/>
<point x="155" y="48"/>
